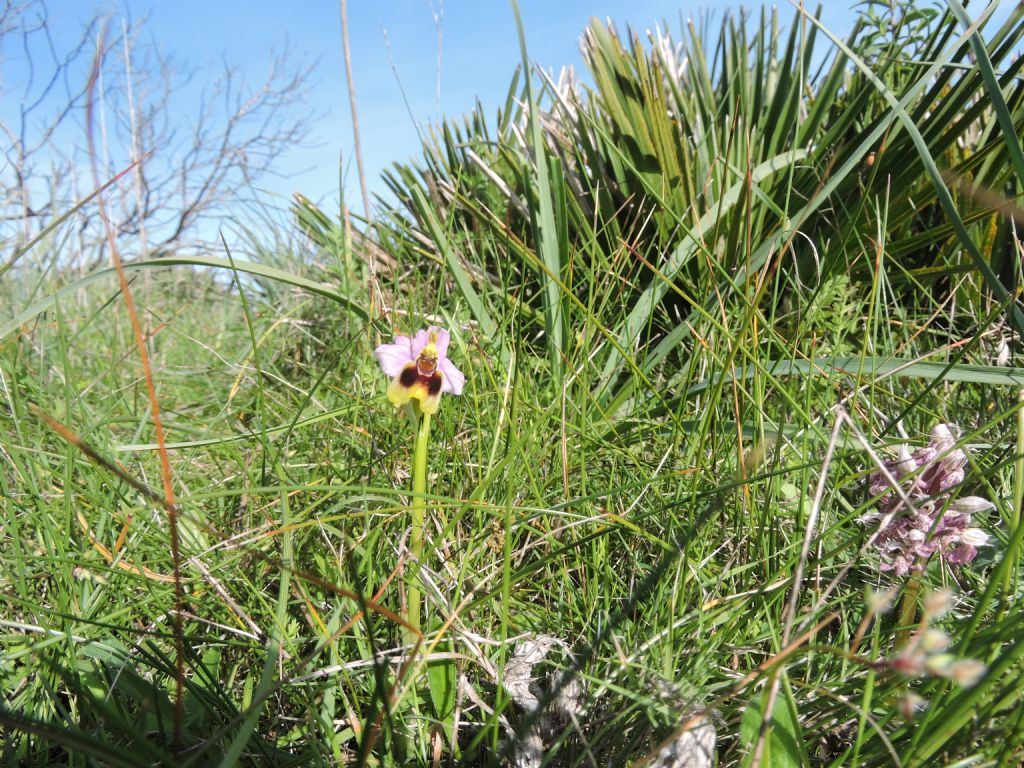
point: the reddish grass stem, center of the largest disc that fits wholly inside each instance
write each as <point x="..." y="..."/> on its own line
<point x="165" y="463"/>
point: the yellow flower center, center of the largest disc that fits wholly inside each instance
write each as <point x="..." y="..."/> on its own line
<point x="426" y="363"/>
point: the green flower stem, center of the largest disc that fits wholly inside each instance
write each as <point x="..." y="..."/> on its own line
<point x="1018" y="497"/>
<point x="908" y="611"/>
<point x="419" y="514"/>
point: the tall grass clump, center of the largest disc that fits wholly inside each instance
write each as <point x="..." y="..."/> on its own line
<point x="731" y="308"/>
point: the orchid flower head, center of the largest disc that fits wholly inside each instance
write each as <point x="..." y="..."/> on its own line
<point x="932" y="523"/>
<point x="419" y="368"/>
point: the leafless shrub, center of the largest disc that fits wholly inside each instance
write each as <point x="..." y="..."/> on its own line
<point x="200" y="138"/>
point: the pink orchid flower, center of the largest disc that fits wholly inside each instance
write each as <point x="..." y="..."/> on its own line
<point x="420" y="369"/>
<point x="910" y="535"/>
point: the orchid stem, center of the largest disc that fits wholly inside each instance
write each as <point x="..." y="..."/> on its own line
<point x="419" y="513"/>
<point x="908" y="612"/>
<point x="1018" y="495"/>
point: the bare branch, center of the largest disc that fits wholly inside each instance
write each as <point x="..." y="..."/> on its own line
<point x="202" y="152"/>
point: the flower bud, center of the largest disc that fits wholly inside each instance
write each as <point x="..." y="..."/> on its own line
<point x="974" y="537"/>
<point x="1002" y="352"/>
<point x="879" y="601"/>
<point x="937" y="603"/>
<point x="909" y="664"/>
<point x="972" y="504"/>
<point x="942" y="436"/>
<point x="966" y="672"/>
<point x="905" y="462"/>
<point x="933" y="640"/>
<point x="940" y="664"/>
<point x="910" y="704"/>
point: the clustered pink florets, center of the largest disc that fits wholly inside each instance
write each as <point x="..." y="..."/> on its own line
<point x="911" y="533"/>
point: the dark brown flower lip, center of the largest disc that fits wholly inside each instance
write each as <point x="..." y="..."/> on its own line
<point x="431" y="381"/>
<point x="408" y="376"/>
<point x="434" y="383"/>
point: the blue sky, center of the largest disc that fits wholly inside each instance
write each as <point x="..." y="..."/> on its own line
<point x="479" y="51"/>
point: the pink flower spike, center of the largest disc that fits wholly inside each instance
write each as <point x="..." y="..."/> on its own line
<point x="931" y="523"/>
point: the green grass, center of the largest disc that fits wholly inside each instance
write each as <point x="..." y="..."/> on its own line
<point x="642" y="466"/>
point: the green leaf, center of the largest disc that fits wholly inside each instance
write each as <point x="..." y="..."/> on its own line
<point x="943" y="195"/>
<point x="441" y="677"/>
<point x="781" y="748"/>
<point x="543" y="220"/>
<point x="874" y="368"/>
<point x="639" y="316"/>
<point x="462" y="279"/>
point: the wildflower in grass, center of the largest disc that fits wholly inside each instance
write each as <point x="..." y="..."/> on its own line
<point x="931" y="523"/>
<point x="420" y="370"/>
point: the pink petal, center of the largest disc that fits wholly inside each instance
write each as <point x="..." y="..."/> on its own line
<point x="956" y="459"/>
<point x="454" y="380"/>
<point x="951" y="479"/>
<point x="419" y="341"/>
<point x="961" y="555"/>
<point x="394" y="357"/>
<point x="443" y="337"/>
<point x="422" y="338"/>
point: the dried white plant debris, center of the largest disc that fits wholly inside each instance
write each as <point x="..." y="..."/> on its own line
<point x="548" y="702"/>
<point x="694" y="747"/>
<point x="529" y="750"/>
<point x="519" y="669"/>
<point x="1003" y="354"/>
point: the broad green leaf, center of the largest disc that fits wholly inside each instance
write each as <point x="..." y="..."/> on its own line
<point x="781" y="745"/>
<point x="441" y="677"/>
